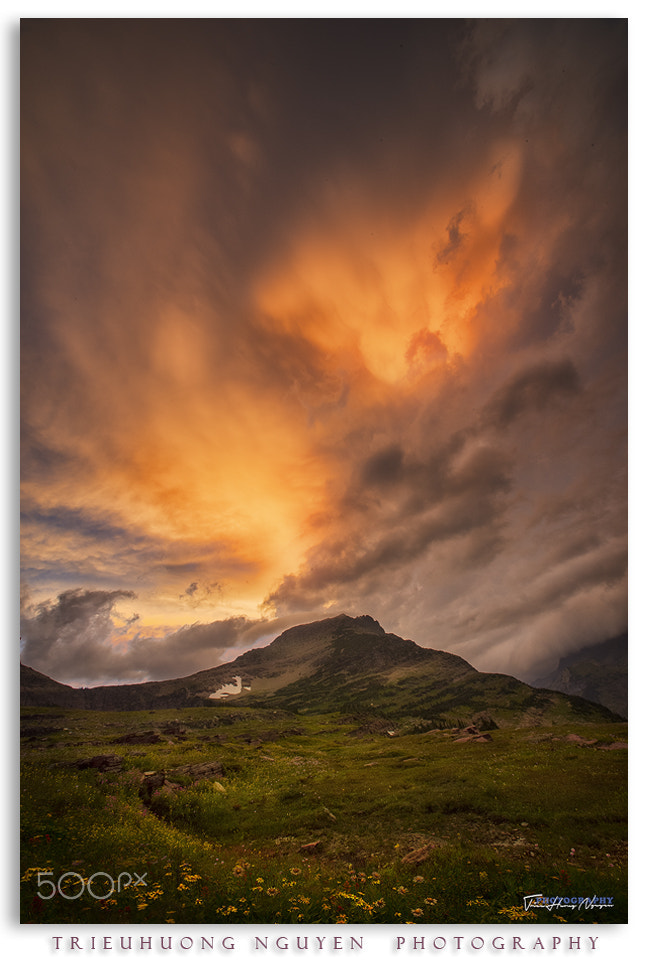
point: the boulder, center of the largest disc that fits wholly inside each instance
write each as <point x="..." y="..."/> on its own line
<point x="200" y="771"/>
<point x="103" y="762"/>
<point x="151" y="782"/>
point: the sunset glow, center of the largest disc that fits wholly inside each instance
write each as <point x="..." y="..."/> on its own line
<point x="295" y="344"/>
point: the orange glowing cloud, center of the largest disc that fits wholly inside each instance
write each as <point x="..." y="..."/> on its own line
<point x="373" y="287"/>
<point x="217" y="426"/>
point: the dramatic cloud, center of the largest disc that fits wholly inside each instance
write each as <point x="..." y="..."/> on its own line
<point x="532" y="390"/>
<point x="322" y="316"/>
<point x="83" y="637"/>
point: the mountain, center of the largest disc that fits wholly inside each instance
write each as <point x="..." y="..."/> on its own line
<point x="342" y="664"/>
<point x="36" y="689"/>
<point x="598" y="673"/>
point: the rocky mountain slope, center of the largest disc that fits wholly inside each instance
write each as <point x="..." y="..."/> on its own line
<point x="597" y="673"/>
<point x="343" y="664"/>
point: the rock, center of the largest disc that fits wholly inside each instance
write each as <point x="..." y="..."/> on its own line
<point x="473" y="736"/>
<point x="156" y="792"/>
<point x="150" y="736"/>
<point x="309" y="847"/>
<point x="418" y="856"/>
<point x="484" y="722"/>
<point x="574" y="738"/>
<point x="173" y="729"/>
<point x="150" y="783"/>
<point x="103" y="762"/>
<point x="200" y="771"/>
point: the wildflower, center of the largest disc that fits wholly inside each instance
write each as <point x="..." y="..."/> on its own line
<point x="432" y="901"/>
<point x="402" y="890"/>
<point x="417" y="912"/>
<point x="515" y="913"/>
<point x="418" y="880"/>
<point x="272" y="891"/>
<point x="295" y="871"/>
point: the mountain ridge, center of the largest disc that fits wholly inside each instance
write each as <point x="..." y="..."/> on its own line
<point x="338" y="664"/>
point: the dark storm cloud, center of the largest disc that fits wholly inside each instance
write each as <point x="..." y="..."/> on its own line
<point x="384" y="468"/>
<point x="41" y="461"/>
<point x="533" y="390"/>
<point x="560" y="581"/>
<point x="455" y="492"/>
<point x="68" y="519"/>
<point x="563" y="85"/>
<point x="79" y="638"/>
<point x="60" y="635"/>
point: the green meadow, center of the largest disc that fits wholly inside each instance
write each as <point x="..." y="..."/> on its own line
<point x="308" y="818"/>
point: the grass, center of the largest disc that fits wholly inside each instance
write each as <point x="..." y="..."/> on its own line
<point x="311" y="818"/>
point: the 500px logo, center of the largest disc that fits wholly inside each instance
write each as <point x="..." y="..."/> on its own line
<point x="568" y="903"/>
<point x="71" y="885"/>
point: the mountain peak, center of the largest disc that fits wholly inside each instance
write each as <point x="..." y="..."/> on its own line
<point x="363" y="623"/>
<point x="325" y="630"/>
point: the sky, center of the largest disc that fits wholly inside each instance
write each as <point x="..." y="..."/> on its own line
<point x="321" y="316"/>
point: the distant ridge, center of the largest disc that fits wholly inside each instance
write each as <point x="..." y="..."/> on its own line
<point x="598" y="673"/>
<point x="339" y="664"/>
